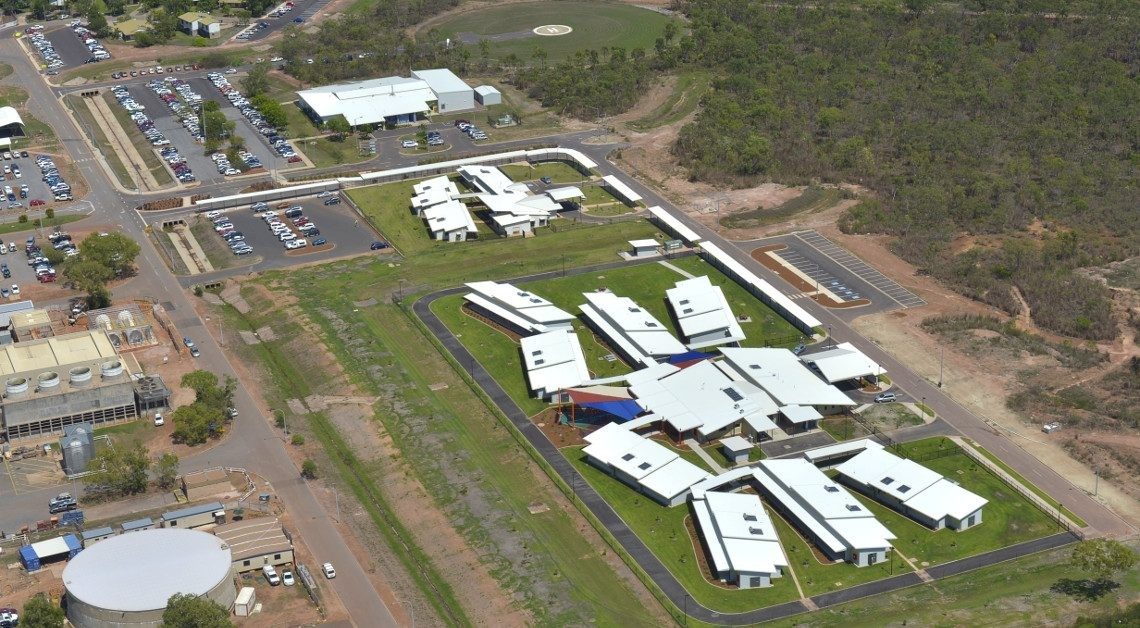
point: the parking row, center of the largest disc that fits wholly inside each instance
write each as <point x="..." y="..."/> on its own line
<point x="226" y="231"/>
<point x="156" y="137"/>
<point x="271" y="135"/>
<point x="49" y="174"/>
<point x="290" y="225"/>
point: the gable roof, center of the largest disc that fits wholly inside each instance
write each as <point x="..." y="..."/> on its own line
<point x="783" y="376"/>
<point x="554" y="360"/>
<point x="842" y="363"/>
<point x="629" y="325"/>
<point x="700" y="308"/>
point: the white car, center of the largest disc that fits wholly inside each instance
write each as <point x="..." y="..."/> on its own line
<point x="15" y="289"/>
<point x="271" y="575"/>
<point x="408" y="144"/>
<point x="287" y="578"/>
<point x="330" y="573"/>
<point x="158" y="420"/>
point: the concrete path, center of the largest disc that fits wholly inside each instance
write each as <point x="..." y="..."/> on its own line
<point x="673" y="268"/>
<point x="122" y="142"/>
<point x="704" y="455"/>
<point x="188" y="260"/>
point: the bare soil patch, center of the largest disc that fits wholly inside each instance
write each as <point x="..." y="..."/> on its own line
<point x="795" y="280"/>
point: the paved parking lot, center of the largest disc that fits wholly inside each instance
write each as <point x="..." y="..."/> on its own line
<point x="254" y="141"/>
<point x="860" y="269"/>
<point x="33" y="474"/>
<point x="824" y="279"/>
<point x="70" y="48"/>
<point x="30" y="175"/>
<point x="172" y="128"/>
<point x="345" y="233"/>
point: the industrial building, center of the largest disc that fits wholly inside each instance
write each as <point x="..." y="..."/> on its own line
<point x="6" y="312"/>
<point x="451" y="93"/>
<point x="125" y="581"/>
<point x="518" y="310"/>
<point x="31" y="324"/>
<point x="553" y="362"/>
<point x="55" y="382"/>
<point x="912" y="489"/>
<point x="630" y="330"/>
<point x="823" y="511"/>
<point x="60" y="548"/>
<point x="488" y="96"/>
<point x="648" y="467"/>
<point x="255" y="543"/>
<point x="126" y="325"/>
<point x="390" y="101"/>
<point x="739" y="539"/>
<point x="194" y="516"/>
<point x="703" y="314"/>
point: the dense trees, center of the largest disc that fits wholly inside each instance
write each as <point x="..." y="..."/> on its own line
<point x="591" y="85"/>
<point x="204" y="419"/>
<point x="39" y="612"/>
<point x="191" y="611"/>
<point x="1103" y="558"/>
<point x="959" y="123"/>
<point x="101" y="258"/>
<point x="118" y="470"/>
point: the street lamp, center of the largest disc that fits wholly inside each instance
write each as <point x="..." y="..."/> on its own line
<point x="830" y="337"/>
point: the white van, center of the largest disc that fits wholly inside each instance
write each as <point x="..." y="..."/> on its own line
<point x="271" y="575"/>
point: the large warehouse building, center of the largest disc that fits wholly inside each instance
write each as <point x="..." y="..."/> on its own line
<point x="126" y="580"/>
<point x="54" y="382"/>
<point x="389" y="101"/>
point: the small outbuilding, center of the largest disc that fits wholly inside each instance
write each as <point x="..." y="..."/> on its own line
<point x="736" y="449"/>
<point x="90" y="537"/>
<point x="138" y="525"/>
<point x="194" y="516"/>
<point x="11" y="124"/>
<point x="60" y="548"/>
<point x="643" y="248"/>
<point x="798" y="419"/>
<point x="255" y="543"/>
<point x="486" y="95"/>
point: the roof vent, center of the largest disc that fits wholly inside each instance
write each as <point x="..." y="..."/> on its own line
<point x="756" y="531"/>
<point x="643" y="466"/>
<point x="539" y="362"/>
<point x="684" y="301"/>
<point x="49" y="379"/>
<point x="112" y="368"/>
<point x="754" y="367"/>
<point x="904" y="488"/>
<point x="79" y="376"/>
<point x="627" y="457"/>
<point x="16" y="386"/>
<point x="650" y="324"/>
<point x="687" y="310"/>
<point x="831" y="489"/>
<point x="749" y="517"/>
<point x="888" y="481"/>
<point x="853" y="508"/>
<point x="536" y="352"/>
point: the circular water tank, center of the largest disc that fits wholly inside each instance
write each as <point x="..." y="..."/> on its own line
<point x="16" y="386"/>
<point x="112" y="368"/>
<point x="50" y="379"/>
<point x="80" y="375"/>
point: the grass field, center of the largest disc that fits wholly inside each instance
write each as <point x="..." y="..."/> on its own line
<point x="87" y="121"/>
<point x="17" y="227"/>
<point x="215" y="248"/>
<point x="1016" y="593"/>
<point x="559" y="172"/>
<point x="686" y="96"/>
<point x="596" y="25"/>
<point x="813" y="199"/>
<point x="39" y="134"/>
<point x="324" y="152"/>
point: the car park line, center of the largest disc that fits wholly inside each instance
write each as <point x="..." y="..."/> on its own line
<point x="859" y="268"/>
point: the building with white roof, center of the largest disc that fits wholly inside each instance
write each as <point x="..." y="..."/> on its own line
<point x="433" y="191"/>
<point x="739" y="538"/>
<point x="619" y="189"/>
<point x="519" y="310"/>
<point x="450" y="222"/>
<point x="798" y="419"/>
<point x="780" y="373"/>
<point x="553" y="362"/>
<point x="844" y="364"/>
<point x="451" y="93"/>
<point x="703" y="314"/>
<point x="649" y="467"/>
<point x="825" y="512"/>
<point x="389" y="101"/>
<point x="912" y="489"/>
<point x="632" y="331"/>
<point x="513" y="210"/>
<point x="701" y="402"/>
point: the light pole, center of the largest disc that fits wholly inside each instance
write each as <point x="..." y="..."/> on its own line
<point x="941" y="358"/>
<point x="830" y="337"/>
<point x="1096" y="486"/>
<point x="924" y="409"/>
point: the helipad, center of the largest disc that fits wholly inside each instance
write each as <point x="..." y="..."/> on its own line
<point x="553" y="30"/>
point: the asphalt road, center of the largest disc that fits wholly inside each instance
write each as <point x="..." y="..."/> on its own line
<point x="253" y="443"/>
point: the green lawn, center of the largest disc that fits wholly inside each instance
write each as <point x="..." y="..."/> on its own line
<point x="298" y="124"/>
<point x="16" y="226"/>
<point x="615" y="209"/>
<point x="1029" y="485"/>
<point x="714" y="450"/>
<point x="843" y="428"/>
<point x="38" y="133"/>
<point x="1015" y="593"/>
<point x="215" y="248"/>
<point x="324" y="152"/>
<point x="558" y="171"/>
<point x="596" y="25"/>
<point x="663" y="530"/>
<point x="597" y="195"/>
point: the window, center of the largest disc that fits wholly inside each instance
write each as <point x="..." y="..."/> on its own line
<point x="173" y="524"/>
<point x="277" y="557"/>
<point x="733" y="395"/>
<point x="872" y="559"/>
<point x="754" y="581"/>
<point x="627" y="457"/>
<point x="970" y="521"/>
<point x="245" y="564"/>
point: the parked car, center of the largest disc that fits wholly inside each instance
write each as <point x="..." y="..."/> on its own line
<point x="287" y="578"/>
<point x="62" y="503"/>
<point x="158" y="420"/>
<point x="887" y="397"/>
<point x="330" y="573"/>
<point x="377" y="245"/>
<point x="271" y="575"/>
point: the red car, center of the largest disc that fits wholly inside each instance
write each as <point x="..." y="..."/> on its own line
<point x="36" y="202"/>
<point x="48" y="278"/>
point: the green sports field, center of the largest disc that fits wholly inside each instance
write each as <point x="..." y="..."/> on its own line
<point x="595" y="24"/>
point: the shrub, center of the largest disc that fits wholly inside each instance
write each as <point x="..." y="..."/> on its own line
<point x="298" y="439"/>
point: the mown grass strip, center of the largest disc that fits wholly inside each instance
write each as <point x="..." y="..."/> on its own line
<point x="87" y="121"/>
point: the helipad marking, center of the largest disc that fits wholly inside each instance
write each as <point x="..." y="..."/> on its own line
<point x="553" y="30"/>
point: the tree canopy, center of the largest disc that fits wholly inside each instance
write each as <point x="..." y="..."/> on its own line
<point x="1102" y="558"/>
<point x="39" y="612"/>
<point x="191" y="611"/>
<point x="120" y="469"/>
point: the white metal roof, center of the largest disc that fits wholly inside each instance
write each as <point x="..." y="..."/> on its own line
<point x="748" y="277"/>
<point x="701" y="397"/>
<point x="800" y="414"/>
<point x="675" y="225"/>
<point x="51" y="547"/>
<point x="783" y="376"/>
<point x="654" y="371"/>
<point x="487" y="179"/>
<point x="798" y="511"/>
<point x="567" y="193"/>
<point x="536" y="311"/>
<point x="838" y="449"/>
<point x="448" y="217"/>
<point x="700" y="308"/>
<point x="140" y="571"/>
<point x="842" y="363"/>
<point x="433" y="191"/>
<point x="674" y="478"/>
<point x="486" y="90"/>
<point x="621" y="189"/>
<point x="742" y="531"/>
<point x="647" y="243"/>
<point x="736" y="443"/>
<point x="9" y="115"/>
<point x="554" y="360"/>
<point x="911" y="483"/>
<point x="631" y="325"/>
<point x="369" y="102"/>
<point x="442" y="80"/>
